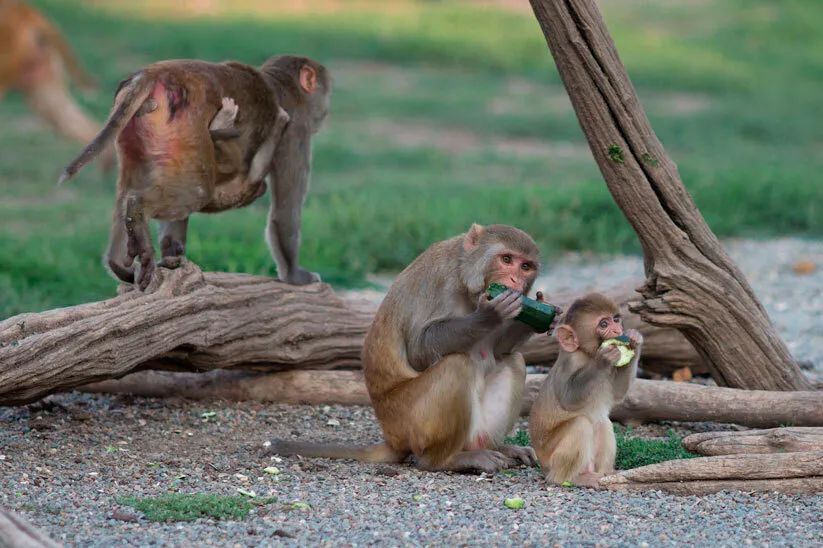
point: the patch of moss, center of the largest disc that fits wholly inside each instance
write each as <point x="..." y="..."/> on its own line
<point x="189" y="507"/>
<point x="633" y="452"/>
<point x="616" y="154"/>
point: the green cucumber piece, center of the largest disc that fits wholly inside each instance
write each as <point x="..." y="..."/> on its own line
<point x="539" y="316"/>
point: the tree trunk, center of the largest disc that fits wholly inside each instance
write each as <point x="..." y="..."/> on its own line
<point x="189" y="320"/>
<point x="15" y="532"/>
<point x="725" y="467"/>
<point x="775" y="440"/>
<point x="647" y="400"/>
<point x="691" y="283"/>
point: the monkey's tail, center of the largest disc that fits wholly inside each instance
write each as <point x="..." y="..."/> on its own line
<point x="379" y="452"/>
<point x="129" y="99"/>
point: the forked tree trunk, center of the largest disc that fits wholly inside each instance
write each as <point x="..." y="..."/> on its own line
<point x="691" y="283"/>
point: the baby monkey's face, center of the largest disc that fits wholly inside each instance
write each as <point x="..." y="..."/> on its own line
<point x="609" y="326"/>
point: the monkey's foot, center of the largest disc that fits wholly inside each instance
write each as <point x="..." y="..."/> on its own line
<point x="171" y="261"/>
<point x="224" y="119"/>
<point x="588" y="479"/>
<point x="482" y="460"/>
<point x="301" y="277"/>
<point x="147" y="271"/>
<point x="519" y="453"/>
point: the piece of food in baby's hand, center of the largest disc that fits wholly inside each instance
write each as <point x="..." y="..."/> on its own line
<point x="622" y="344"/>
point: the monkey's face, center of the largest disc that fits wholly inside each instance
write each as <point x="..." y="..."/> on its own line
<point x="514" y="270"/>
<point x="608" y="326"/>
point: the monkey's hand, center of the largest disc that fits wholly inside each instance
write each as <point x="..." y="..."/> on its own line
<point x="635" y="338"/>
<point x="608" y="356"/>
<point x="505" y="306"/>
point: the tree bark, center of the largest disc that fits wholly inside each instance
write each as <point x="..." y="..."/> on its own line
<point x="790" y="486"/>
<point x="646" y="401"/>
<point x="188" y="320"/>
<point x="15" y="532"/>
<point x="725" y="467"/>
<point x="691" y="283"/>
<point x="775" y="440"/>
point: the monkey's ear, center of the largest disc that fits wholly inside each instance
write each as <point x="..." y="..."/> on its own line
<point x="308" y="79"/>
<point x="567" y="338"/>
<point x="472" y="238"/>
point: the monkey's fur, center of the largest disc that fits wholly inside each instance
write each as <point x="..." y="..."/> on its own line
<point x="441" y="361"/>
<point x="34" y="59"/>
<point x="569" y="422"/>
<point x="174" y="161"/>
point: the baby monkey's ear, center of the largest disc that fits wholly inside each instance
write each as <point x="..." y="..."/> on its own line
<point x="567" y="338"/>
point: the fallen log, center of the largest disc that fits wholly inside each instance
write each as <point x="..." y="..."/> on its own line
<point x="15" y="532"/>
<point x="650" y="401"/>
<point x="646" y="401"/>
<point x="775" y="440"/>
<point x="724" y="467"/>
<point x="790" y="486"/>
<point x="186" y="319"/>
<point x="193" y="321"/>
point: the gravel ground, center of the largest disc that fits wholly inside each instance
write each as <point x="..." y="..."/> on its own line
<point x="65" y="461"/>
<point x="66" y="464"/>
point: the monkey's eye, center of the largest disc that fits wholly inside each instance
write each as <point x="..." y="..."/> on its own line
<point x="506" y="259"/>
<point x="526" y="267"/>
<point x="604" y="323"/>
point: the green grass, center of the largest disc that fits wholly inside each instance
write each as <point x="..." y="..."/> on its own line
<point x="443" y="114"/>
<point x="632" y="451"/>
<point x="189" y="507"/>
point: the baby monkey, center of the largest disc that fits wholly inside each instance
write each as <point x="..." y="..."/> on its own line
<point x="569" y="424"/>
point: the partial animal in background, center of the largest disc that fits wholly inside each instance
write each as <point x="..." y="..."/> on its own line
<point x="197" y="136"/>
<point x="441" y="360"/>
<point x="569" y="423"/>
<point x="34" y="58"/>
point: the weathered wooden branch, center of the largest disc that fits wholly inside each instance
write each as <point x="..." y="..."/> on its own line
<point x="646" y="401"/>
<point x="775" y="440"/>
<point x="650" y="401"/>
<point x="190" y="320"/>
<point x="789" y="486"/>
<point x="721" y="467"/>
<point x="786" y="472"/>
<point x="193" y="321"/>
<point x="691" y="283"/>
<point x="15" y="532"/>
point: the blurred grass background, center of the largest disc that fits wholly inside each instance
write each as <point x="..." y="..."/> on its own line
<point x="443" y="113"/>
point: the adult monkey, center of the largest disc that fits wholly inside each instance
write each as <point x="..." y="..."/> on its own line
<point x="34" y="58"/>
<point x="440" y="359"/>
<point x="174" y="119"/>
